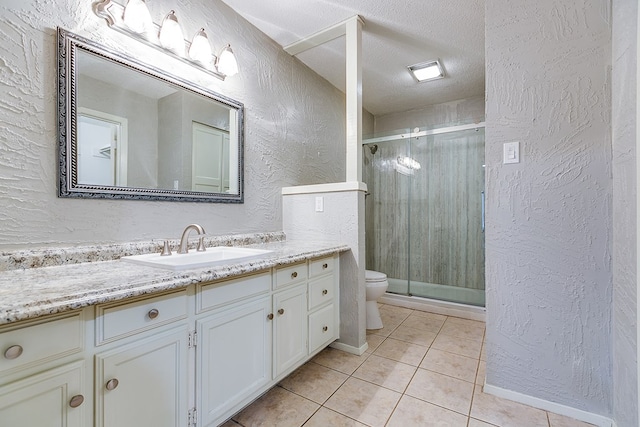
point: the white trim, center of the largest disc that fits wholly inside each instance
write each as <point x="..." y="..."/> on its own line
<point x="424" y="133"/>
<point x="435" y="306"/>
<point x="321" y="37"/>
<point x="358" y="351"/>
<point x="546" y="405"/>
<point x="325" y="188"/>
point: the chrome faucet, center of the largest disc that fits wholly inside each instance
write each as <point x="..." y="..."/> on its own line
<point x="184" y="240"/>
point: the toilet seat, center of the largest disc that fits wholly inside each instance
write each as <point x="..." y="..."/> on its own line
<point x="374" y="276"/>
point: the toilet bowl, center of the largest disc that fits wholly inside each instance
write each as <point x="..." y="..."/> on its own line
<point x="376" y="287"/>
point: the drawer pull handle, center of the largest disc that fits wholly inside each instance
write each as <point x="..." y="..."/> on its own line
<point x="112" y="384"/>
<point x="153" y="313"/>
<point x="270" y="316"/>
<point x="324" y="292"/>
<point x="281" y="311"/>
<point x="325" y="329"/>
<point x="13" y="352"/>
<point x="76" y="400"/>
<point x="294" y="274"/>
<point x="325" y="266"/>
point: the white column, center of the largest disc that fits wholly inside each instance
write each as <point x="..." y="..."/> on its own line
<point x="354" y="99"/>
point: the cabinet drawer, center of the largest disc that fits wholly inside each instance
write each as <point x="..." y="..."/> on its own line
<point x="320" y="266"/>
<point x="119" y="321"/>
<point x="37" y="343"/>
<point x="287" y="275"/>
<point x="321" y="328"/>
<point x="214" y="295"/>
<point x="320" y="291"/>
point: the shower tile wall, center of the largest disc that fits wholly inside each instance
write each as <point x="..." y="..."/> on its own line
<point x="427" y="223"/>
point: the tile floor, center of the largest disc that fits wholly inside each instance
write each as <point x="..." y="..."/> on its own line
<point x="422" y="369"/>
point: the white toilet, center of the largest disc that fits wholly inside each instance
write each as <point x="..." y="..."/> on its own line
<point x="376" y="287"/>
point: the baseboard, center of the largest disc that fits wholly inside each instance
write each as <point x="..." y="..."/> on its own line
<point x="434" y="306"/>
<point x="546" y="405"/>
<point x="358" y="351"/>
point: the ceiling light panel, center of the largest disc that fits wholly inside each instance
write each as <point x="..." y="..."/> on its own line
<point x="425" y="71"/>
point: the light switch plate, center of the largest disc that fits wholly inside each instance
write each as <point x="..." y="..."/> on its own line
<point x="511" y="152"/>
<point x="319" y="204"/>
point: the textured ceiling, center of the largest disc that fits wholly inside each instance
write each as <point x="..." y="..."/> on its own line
<point x="396" y="34"/>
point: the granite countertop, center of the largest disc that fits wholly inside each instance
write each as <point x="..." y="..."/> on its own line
<point x="33" y="292"/>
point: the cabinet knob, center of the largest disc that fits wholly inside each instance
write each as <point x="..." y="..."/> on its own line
<point x="294" y="274"/>
<point x="153" y="313"/>
<point x="13" y="352"/>
<point x="76" y="400"/>
<point x="325" y="266"/>
<point x="281" y="311"/>
<point x="325" y="328"/>
<point x="270" y="316"/>
<point x="112" y="384"/>
<point x="324" y="292"/>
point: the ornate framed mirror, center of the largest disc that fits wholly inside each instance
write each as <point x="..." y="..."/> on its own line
<point x="128" y="130"/>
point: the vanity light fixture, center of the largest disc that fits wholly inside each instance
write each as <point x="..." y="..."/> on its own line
<point x="226" y="62"/>
<point x="200" y="49"/>
<point x="171" y="34"/>
<point x="425" y="71"/>
<point x="168" y="38"/>
<point x="136" y="16"/>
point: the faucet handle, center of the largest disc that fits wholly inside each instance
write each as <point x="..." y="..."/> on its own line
<point x="166" y="249"/>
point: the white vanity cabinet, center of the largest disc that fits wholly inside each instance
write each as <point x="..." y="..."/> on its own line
<point x="324" y="312"/>
<point x="43" y="374"/>
<point x="185" y="358"/>
<point x="233" y="358"/>
<point x="290" y="327"/>
<point x="142" y="380"/>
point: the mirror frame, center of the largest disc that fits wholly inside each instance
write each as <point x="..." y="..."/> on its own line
<point x="68" y="186"/>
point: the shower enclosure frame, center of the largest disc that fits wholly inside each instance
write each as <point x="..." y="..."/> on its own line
<point x="408" y="299"/>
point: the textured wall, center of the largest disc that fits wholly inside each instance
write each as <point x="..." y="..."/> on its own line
<point x="469" y="110"/>
<point x="294" y="127"/>
<point x="625" y="233"/>
<point x="340" y="222"/>
<point x="549" y="222"/>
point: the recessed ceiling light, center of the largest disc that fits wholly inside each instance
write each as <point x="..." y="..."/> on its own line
<point x="425" y="71"/>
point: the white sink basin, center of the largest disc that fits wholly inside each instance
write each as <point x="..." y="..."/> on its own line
<point x="218" y="255"/>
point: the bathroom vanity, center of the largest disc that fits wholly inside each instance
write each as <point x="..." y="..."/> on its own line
<point x="161" y="348"/>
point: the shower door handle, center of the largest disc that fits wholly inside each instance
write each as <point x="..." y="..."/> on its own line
<point x="482" y="207"/>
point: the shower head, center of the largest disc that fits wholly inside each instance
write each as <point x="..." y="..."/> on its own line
<point x="373" y="148"/>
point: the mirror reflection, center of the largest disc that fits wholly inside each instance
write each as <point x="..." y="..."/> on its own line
<point x="138" y="134"/>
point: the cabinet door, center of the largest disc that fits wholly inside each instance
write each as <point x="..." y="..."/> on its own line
<point x="45" y="400"/>
<point x="290" y="316"/>
<point x="144" y="384"/>
<point x="234" y="358"/>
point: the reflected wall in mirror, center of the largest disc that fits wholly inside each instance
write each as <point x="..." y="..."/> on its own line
<point x="131" y="131"/>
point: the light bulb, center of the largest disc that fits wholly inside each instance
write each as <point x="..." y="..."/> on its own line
<point x="171" y="34"/>
<point x="200" y="49"/>
<point x="227" y="63"/>
<point x="137" y="17"/>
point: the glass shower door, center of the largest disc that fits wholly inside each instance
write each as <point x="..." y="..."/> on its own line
<point x="387" y="211"/>
<point x="446" y="217"/>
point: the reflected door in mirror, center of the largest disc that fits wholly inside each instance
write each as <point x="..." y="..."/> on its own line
<point x="210" y="159"/>
<point x="102" y="142"/>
